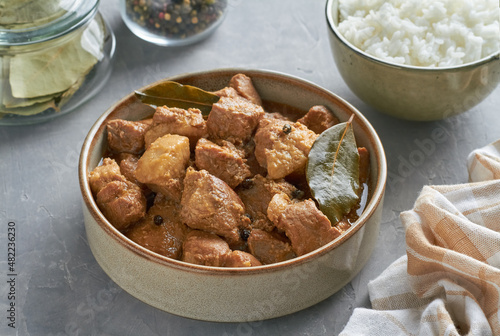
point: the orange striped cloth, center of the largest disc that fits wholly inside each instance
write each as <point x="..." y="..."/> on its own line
<point x="448" y="283"/>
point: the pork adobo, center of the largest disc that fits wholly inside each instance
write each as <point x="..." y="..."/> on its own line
<point x="227" y="190"/>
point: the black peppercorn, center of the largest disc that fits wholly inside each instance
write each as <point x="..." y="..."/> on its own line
<point x="245" y="233"/>
<point x="287" y="129"/>
<point x="158" y="220"/>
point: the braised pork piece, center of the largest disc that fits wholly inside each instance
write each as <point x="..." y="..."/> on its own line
<point x="226" y="191"/>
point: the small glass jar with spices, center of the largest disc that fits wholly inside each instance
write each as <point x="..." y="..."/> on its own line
<point x="54" y="55"/>
<point x="173" y="22"/>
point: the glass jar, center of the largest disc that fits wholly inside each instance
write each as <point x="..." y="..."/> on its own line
<point x="173" y="22"/>
<point x="54" y="55"/>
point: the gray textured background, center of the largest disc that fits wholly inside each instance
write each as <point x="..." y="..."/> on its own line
<point x="60" y="288"/>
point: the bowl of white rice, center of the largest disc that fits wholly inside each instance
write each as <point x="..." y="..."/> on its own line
<point x="417" y="59"/>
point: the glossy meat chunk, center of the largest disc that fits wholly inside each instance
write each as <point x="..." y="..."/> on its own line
<point x="226" y="162"/>
<point x="127" y="136"/>
<point x="277" y="206"/>
<point x="173" y="120"/>
<point x="209" y="204"/>
<point x="227" y="92"/>
<point x="162" y="166"/>
<point x="304" y="224"/>
<point x="240" y="259"/>
<point x="282" y="147"/>
<point x="107" y="172"/>
<point x="318" y="119"/>
<point x="122" y="203"/>
<point x="204" y="248"/>
<point x="233" y="119"/>
<point x="244" y="86"/>
<point x="128" y="165"/>
<point x="269" y="247"/>
<point x="161" y="231"/>
<point x="256" y="193"/>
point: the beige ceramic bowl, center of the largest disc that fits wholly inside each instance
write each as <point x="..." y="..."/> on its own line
<point x="235" y="294"/>
<point x="409" y="92"/>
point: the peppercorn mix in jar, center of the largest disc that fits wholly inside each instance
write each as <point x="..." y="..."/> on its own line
<point x="173" y="22"/>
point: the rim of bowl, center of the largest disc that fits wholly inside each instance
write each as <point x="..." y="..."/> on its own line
<point x="374" y="201"/>
<point x="333" y="27"/>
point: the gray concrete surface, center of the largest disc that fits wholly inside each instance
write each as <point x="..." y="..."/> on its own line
<point x="59" y="287"/>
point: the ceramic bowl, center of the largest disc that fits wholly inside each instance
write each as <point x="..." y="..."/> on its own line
<point x="235" y="294"/>
<point x="410" y="92"/>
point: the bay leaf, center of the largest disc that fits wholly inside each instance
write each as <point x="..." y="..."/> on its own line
<point x="20" y="106"/>
<point x="68" y="94"/>
<point x="31" y="109"/>
<point x="333" y="171"/>
<point x="30" y="13"/>
<point x="50" y="71"/>
<point x="173" y="94"/>
<point x="11" y="102"/>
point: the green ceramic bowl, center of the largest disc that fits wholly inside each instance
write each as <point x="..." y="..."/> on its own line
<point x="410" y="92"/>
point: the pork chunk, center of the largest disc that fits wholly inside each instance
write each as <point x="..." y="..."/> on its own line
<point x="233" y="119"/>
<point x="109" y="171"/>
<point x="282" y="147"/>
<point x="256" y="193"/>
<point x="161" y="231"/>
<point x="240" y="259"/>
<point x="269" y="247"/>
<point x="122" y="203"/>
<point x="162" y="166"/>
<point x="127" y="136"/>
<point x="277" y="206"/>
<point x="173" y="120"/>
<point x="204" y="248"/>
<point x="128" y="164"/>
<point x="244" y="86"/>
<point x="304" y="224"/>
<point x="209" y="204"/>
<point x="318" y="119"/>
<point x="225" y="162"/>
<point x="227" y="92"/>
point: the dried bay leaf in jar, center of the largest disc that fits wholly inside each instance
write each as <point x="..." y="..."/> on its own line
<point x="54" y="55"/>
<point x="173" y="22"/>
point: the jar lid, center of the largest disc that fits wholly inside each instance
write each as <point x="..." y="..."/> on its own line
<point x="31" y="21"/>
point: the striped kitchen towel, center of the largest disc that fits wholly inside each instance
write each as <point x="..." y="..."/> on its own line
<point x="448" y="283"/>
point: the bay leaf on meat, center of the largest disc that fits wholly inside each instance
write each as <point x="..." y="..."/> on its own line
<point x="173" y="94"/>
<point x="333" y="171"/>
<point x="49" y="71"/>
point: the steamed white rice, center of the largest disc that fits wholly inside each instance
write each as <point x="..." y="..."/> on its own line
<point x="430" y="33"/>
